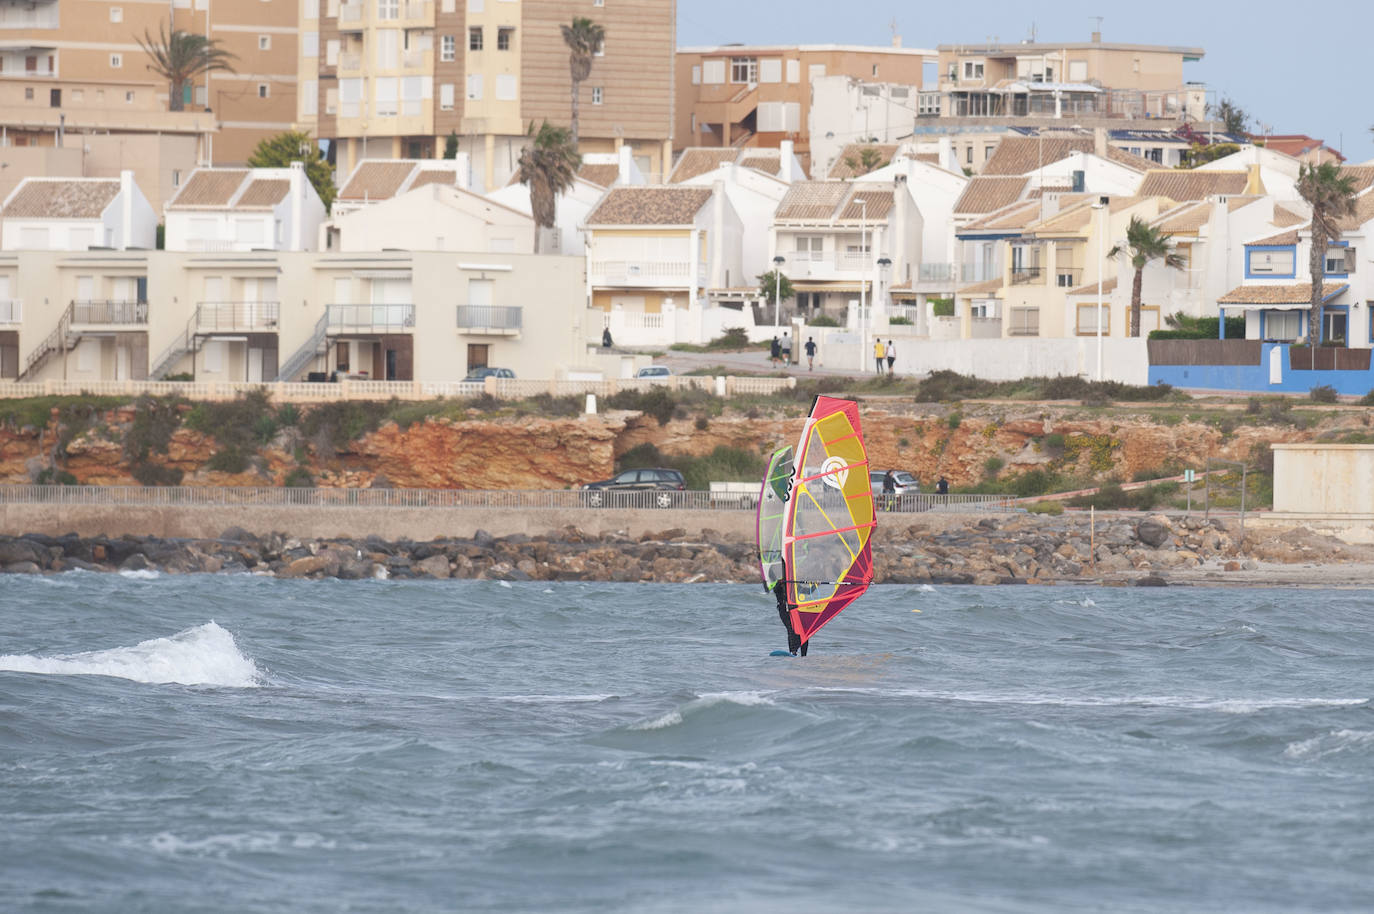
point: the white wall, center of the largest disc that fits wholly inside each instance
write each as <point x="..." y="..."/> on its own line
<point x="754" y="197"/>
<point x="436" y="217"/>
<point x="570" y="212"/>
<point x="841" y="114"/>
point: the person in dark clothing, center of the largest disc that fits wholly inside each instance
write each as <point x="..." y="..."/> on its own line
<point x="889" y="489"/>
<point x="794" y="641"/>
<point x="606" y="338"/>
<point x="942" y="487"/>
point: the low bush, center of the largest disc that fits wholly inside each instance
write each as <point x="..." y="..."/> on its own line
<point x="1322" y="393"/>
<point x="1054" y="508"/>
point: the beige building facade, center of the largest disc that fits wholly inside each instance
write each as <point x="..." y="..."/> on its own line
<point x="760" y="95"/>
<point x="74" y="68"/>
<point x="394" y="78"/>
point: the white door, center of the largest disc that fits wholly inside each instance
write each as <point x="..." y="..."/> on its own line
<point x="212" y="312"/>
<point x="85" y="288"/>
<point x="250" y="298"/>
<point x="254" y="364"/>
<point x="121" y="363"/>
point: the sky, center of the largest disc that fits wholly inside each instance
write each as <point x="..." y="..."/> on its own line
<point x="1258" y="66"/>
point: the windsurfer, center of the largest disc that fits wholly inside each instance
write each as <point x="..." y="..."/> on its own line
<point x="794" y="641"/>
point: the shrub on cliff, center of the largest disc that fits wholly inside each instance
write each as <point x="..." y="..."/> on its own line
<point x="331" y="426"/>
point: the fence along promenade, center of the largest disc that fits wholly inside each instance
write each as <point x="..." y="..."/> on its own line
<point x="350" y="389"/>
<point x="533" y="499"/>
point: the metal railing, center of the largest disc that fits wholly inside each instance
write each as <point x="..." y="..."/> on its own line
<point x="310" y="349"/>
<point x="536" y="499"/>
<point x="489" y="317"/>
<point x="110" y="311"/>
<point x="370" y="318"/>
<point x="936" y="272"/>
<point x="978" y="271"/>
<point x="236" y="315"/>
<point x="1022" y="276"/>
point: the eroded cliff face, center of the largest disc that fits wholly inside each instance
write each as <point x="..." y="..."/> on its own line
<point x="533" y="453"/>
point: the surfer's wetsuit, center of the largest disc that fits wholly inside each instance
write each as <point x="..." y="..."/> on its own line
<point x="794" y="640"/>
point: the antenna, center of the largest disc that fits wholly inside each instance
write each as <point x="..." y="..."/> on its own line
<point x="892" y="26"/>
<point x="1099" y="21"/>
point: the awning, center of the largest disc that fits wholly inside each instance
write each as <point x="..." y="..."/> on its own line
<point x="803" y="286"/>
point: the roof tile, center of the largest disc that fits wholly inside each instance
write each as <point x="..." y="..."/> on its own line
<point x="657" y="205"/>
<point x="1192" y="185"/>
<point x="377" y="179"/>
<point x="209" y="187"/>
<point x="812" y="201"/>
<point x="264" y="193"/>
<point x="986" y="193"/>
<point x="842" y="169"/>
<point x="1291" y="294"/>
<point x="62" y="198"/>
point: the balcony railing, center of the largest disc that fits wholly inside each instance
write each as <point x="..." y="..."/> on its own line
<point x="237" y="315"/>
<point x="110" y="312"/>
<point x="422" y="10"/>
<point x="370" y="318"/>
<point x="495" y="318"/>
<point x="642" y="272"/>
<point x="936" y="272"/>
<point x="978" y="272"/>
<point x="11" y="311"/>
<point x="351" y="62"/>
<point x="413" y="59"/>
<point x="853" y="260"/>
<point x="350" y="12"/>
<point x="1027" y="276"/>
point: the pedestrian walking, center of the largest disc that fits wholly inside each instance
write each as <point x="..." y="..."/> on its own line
<point x="774" y="351"/>
<point x="810" y="353"/>
<point x="786" y="348"/>
<point x="879" y="353"/>
<point x="891" y="356"/>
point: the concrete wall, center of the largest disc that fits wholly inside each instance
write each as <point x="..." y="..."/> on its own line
<point x="1272" y="375"/>
<point x="1329" y="479"/>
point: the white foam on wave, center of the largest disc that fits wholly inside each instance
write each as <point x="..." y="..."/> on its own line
<point x="250" y="842"/>
<point x="1333" y="743"/>
<point x="1183" y="702"/>
<point x="141" y="574"/>
<point x="709" y="699"/>
<point x="925" y="588"/>
<point x="204" y="655"/>
<point x="1085" y="602"/>
<point x="554" y="699"/>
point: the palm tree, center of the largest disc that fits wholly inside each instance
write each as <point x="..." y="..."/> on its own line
<point x="583" y="39"/>
<point x="1332" y="197"/>
<point x="547" y="166"/>
<point x="1144" y="243"/>
<point x="179" y="56"/>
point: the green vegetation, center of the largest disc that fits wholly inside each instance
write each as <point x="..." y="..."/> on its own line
<point x="822" y="320"/>
<point x="899" y="321"/>
<point x="941" y="307"/>
<point x="296" y="146"/>
<point x="1054" y="508"/>
<point x="1185" y="327"/>
<point x="947" y="386"/>
<point x="1322" y="393"/>
<point x="1112" y="497"/>
<point x="732" y="340"/>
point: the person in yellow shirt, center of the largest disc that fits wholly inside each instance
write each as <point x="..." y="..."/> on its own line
<point x="879" y="354"/>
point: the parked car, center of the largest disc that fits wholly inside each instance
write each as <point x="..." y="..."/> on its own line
<point x="660" y="481"/>
<point x="479" y="374"/>
<point x="654" y="371"/>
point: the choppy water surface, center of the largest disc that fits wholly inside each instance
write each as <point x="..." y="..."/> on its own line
<point x="244" y="744"/>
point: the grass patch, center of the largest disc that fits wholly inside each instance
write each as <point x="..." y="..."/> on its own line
<point x="948" y="386"/>
<point x="732" y="340"/>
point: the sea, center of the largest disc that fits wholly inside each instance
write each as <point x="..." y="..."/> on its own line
<point x="200" y="743"/>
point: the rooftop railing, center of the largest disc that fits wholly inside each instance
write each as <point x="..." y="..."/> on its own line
<point x="110" y="311"/>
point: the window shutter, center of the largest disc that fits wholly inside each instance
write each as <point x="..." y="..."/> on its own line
<point x="1350" y="260"/>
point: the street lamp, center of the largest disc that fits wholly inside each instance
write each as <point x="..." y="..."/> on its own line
<point x="883" y="264"/>
<point x="863" y="275"/>
<point x="1101" y="207"/>
<point x="778" y="261"/>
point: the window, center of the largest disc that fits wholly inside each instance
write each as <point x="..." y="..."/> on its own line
<point x="264" y="42"/>
<point x="809" y="248"/>
<point x="388" y="9"/>
<point x="1334" y="321"/>
<point x="310" y="44"/>
<point x="1087" y="319"/>
<point x="475" y="86"/>
<point x="1078" y="71"/>
<point x="28" y="93"/>
<point x="129" y="97"/>
<point x="263" y="90"/>
<point x="504" y="37"/>
<point x="176" y="177"/>
<point x="1024" y="322"/>
<point x="713" y="72"/>
<point x="598" y="2"/>
<point x="1281" y="325"/>
<point x="968" y="155"/>
<point x="310" y="97"/>
<point x="78" y="95"/>
<point x="794" y="71"/>
<point x="696" y="74"/>
<point x="116" y="61"/>
<point x="1340" y="260"/>
<point x="448" y="49"/>
<point x="476" y="6"/>
<point x="116" y="14"/>
<point x="973" y="69"/>
<point x="596" y="95"/>
<point x="387" y="98"/>
<point x="475" y="39"/>
<point x="744" y="70"/>
<point x="1272" y="262"/>
<point x="446" y="97"/>
<point x="770" y="70"/>
<point x="505" y="88"/>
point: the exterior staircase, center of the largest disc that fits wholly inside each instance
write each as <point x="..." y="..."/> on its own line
<point x="314" y="347"/>
<point x="186" y="342"/>
<point x="61" y="340"/>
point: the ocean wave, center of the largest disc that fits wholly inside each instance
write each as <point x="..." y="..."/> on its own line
<point x="701" y="703"/>
<point x="1191" y="703"/>
<point x="141" y="574"/>
<point x="1333" y="743"/>
<point x="204" y="655"/>
<point x="251" y="842"/>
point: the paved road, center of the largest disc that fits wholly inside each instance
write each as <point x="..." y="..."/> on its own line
<point x="750" y="362"/>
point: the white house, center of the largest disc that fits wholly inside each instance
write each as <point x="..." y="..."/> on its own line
<point x="375" y="180"/>
<point x="245" y="209"/>
<point x="844" y="108"/>
<point x="433" y="217"/>
<point x="78" y="214"/>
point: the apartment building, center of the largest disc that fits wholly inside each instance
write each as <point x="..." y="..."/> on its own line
<point x="73" y="69"/>
<point x="395" y="78"/>
<point x="760" y="95"/>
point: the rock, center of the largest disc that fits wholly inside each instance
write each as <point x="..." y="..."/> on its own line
<point x="1151" y="580"/>
<point x="19" y="550"/>
<point x="303" y="567"/>
<point x="237" y="535"/>
<point x="136" y="562"/>
<point x="483" y="539"/>
<point x="22" y="568"/>
<point x="1231" y="566"/>
<point x="436" y="566"/>
<point x="1151" y="532"/>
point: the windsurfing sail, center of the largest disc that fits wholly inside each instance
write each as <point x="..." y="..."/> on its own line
<point x="820" y="533"/>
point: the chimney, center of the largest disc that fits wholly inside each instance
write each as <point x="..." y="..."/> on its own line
<point x="126" y="208"/>
<point x="787" y="170"/>
<point x="1097" y="37"/>
<point x="1100" y="142"/>
<point x="896" y="40"/>
<point x="297" y="205"/>
<point x="625" y="163"/>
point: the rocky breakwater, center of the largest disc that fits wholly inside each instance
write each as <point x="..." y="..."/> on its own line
<point x="1013" y="549"/>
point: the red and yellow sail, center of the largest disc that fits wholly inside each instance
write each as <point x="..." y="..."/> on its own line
<point x="829" y="517"/>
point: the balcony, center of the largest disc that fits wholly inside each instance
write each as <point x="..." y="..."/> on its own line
<point x="1027" y="276"/>
<point x="852" y="261"/>
<point x="230" y="316"/>
<point x="417" y="13"/>
<point x="350" y="62"/>
<point x="415" y="59"/>
<point x="370" y="319"/>
<point x="936" y="272"/>
<point x="978" y="272"/>
<point x="29" y="15"/>
<point x="11" y="311"/>
<point x="113" y="312"/>
<point x="351" y="17"/>
<point x="490" y="319"/>
<point x="647" y="273"/>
